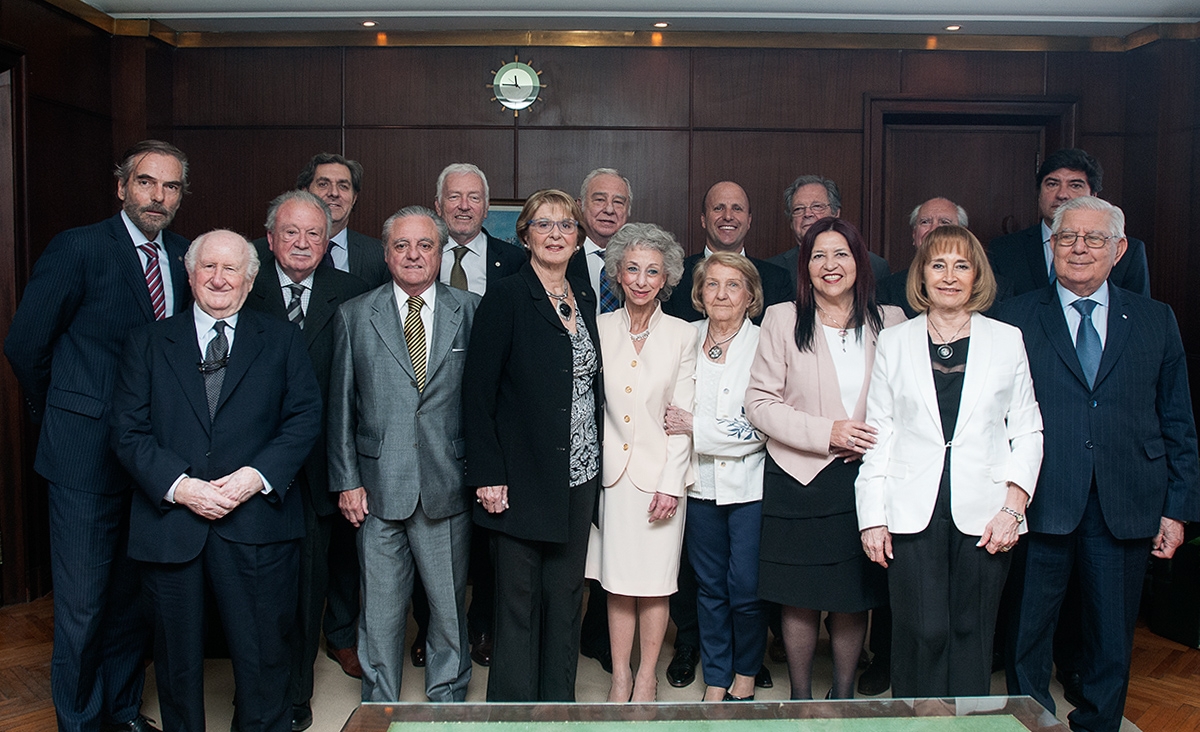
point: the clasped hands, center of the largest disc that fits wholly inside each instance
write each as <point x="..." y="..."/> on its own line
<point x="213" y="499"/>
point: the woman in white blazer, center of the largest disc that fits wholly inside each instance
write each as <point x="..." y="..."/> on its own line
<point x="942" y="496"/>
<point x="650" y="365"/>
<point x="724" y="505"/>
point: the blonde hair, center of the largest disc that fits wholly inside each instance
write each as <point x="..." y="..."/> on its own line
<point x="736" y="262"/>
<point x="945" y="239"/>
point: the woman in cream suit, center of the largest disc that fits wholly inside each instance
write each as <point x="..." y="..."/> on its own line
<point x="725" y="501"/>
<point x="942" y="496"/>
<point x="651" y="361"/>
<point x="807" y="393"/>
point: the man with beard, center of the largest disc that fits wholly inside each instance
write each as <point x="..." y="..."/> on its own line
<point x="90" y="287"/>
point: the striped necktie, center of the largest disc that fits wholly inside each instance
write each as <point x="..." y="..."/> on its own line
<point x="414" y="335"/>
<point x="295" y="306"/>
<point x="154" y="281"/>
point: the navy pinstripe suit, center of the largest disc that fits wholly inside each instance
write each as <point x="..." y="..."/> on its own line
<point x="1118" y="457"/>
<point x="88" y="290"/>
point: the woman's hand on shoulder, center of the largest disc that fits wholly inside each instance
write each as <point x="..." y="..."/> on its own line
<point x="493" y="498"/>
<point x="662" y="507"/>
<point x="877" y="544"/>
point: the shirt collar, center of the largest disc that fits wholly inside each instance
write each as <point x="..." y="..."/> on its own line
<point x="136" y="234"/>
<point x="429" y="296"/>
<point x="339" y="239"/>
<point x="1066" y="297"/>
<point x="708" y="252"/>
<point x="204" y="321"/>
<point x="476" y="245"/>
<point x="285" y="281"/>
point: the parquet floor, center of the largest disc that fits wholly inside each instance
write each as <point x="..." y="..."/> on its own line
<point x="1164" y="691"/>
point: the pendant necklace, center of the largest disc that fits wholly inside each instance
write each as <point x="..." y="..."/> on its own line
<point x="715" y="352"/>
<point x="563" y="308"/>
<point x="945" y="350"/>
<point x="841" y="329"/>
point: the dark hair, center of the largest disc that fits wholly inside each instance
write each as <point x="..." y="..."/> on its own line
<point x="305" y="179"/>
<point x="135" y="154"/>
<point x="1072" y="158"/>
<point x="866" y="310"/>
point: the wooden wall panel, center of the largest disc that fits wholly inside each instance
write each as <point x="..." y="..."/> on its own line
<point x="258" y="86"/>
<point x="770" y="88"/>
<point x="1098" y="80"/>
<point x="236" y="172"/>
<point x="765" y="163"/>
<point x="610" y="87"/>
<point x="402" y="167"/>
<point x="424" y="86"/>
<point x="68" y="59"/>
<point x="656" y="164"/>
<point x="950" y="73"/>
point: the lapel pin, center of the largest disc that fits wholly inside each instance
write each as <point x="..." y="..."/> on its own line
<point x="1124" y="316"/>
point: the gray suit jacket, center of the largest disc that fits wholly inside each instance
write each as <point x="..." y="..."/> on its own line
<point x="398" y="443"/>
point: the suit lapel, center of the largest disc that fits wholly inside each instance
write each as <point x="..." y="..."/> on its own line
<point x="1035" y="256"/>
<point x="827" y="382"/>
<point x="176" y="247"/>
<point x="447" y="317"/>
<point x="979" y="361"/>
<point x="860" y="406"/>
<point x="1054" y="324"/>
<point x="1118" y="333"/>
<point x="247" y="343"/>
<point x="537" y="292"/>
<point x="922" y="369"/>
<point x="386" y="322"/>
<point x="183" y="354"/>
<point x="322" y="304"/>
<point x="130" y="264"/>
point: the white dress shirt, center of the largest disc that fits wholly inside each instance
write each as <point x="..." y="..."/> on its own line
<point x="338" y="249"/>
<point x="595" y="265"/>
<point x="164" y="262"/>
<point x="1099" y="313"/>
<point x="285" y="288"/>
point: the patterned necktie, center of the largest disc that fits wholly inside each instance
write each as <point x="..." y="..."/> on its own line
<point x="1087" y="340"/>
<point x="414" y="335"/>
<point x="154" y="281"/>
<point x="327" y="260"/>
<point x="295" y="306"/>
<point x="214" y="366"/>
<point x="608" y="298"/>
<point x="458" y="275"/>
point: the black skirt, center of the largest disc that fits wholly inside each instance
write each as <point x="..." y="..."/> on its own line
<point x="811" y="555"/>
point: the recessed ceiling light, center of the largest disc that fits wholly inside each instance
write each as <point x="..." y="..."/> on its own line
<point x="953" y="27"/>
<point x="369" y="24"/>
<point x="661" y="24"/>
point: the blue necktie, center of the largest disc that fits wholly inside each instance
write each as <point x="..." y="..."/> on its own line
<point x="608" y="298"/>
<point x="1087" y="340"/>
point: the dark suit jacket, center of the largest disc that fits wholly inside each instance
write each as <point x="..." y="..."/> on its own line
<point x="88" y="290"/>
<point x="331" y="288"/>
<point x="1021" y="260"/>
<point x="517" y="404"/>
<point x="789" y="261"/>
<point x="268" y="416"/>
<point x="775" y="283"/>
<point x="364" y="256"/>
<point x="1133" y="432"/>
<point x="503" y="259"/>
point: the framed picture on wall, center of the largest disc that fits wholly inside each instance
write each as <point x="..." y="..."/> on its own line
<point x="501" y="221"/>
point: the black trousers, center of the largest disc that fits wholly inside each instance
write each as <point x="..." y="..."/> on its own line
<point x="539" y="604"/>
<point x="945" y="593"/>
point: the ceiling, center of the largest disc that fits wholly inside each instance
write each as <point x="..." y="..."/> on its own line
<point x="1086" y="18"/>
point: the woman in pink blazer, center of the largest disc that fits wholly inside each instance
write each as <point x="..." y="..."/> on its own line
<point x="807" y="393"/>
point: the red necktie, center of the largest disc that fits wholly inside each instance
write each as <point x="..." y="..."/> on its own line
<point x="154" y="281"/>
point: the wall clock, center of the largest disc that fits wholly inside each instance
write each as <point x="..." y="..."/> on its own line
<point x="516" y="86"/>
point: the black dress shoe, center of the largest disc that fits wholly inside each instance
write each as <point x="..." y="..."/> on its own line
<point x="682" y="670"/>
<point x="877" y="678"/>
<point x="731" y="697"/>
<point x="1072" y="689"/>
<point x="481" y="649"/>
<point x="418" y="653"/>
<point x="301" y="717"/>
<point x="140" y="723"/>
<point x="763" y="678"/>
<point x="603" y="655"/>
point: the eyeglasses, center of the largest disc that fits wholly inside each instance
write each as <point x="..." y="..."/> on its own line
<point x="545" y="226"/>
<point x="817" y="209"/>
<point x="1092" y="239"/>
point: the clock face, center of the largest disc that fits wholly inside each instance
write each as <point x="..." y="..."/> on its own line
<point x="516" y="85"/>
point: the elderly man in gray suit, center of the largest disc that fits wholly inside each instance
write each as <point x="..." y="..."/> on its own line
<point x="396" y="456"/>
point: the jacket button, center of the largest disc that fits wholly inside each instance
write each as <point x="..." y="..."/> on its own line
<point x="722" y="463"/>
<point x="633" y="363"/>
<point x="625" y="446"/>
<point x="626" y="417"/>
<point x="1093" y="404"/>
<point x="629" y="390"/>
<point x="1088" y="444"/>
